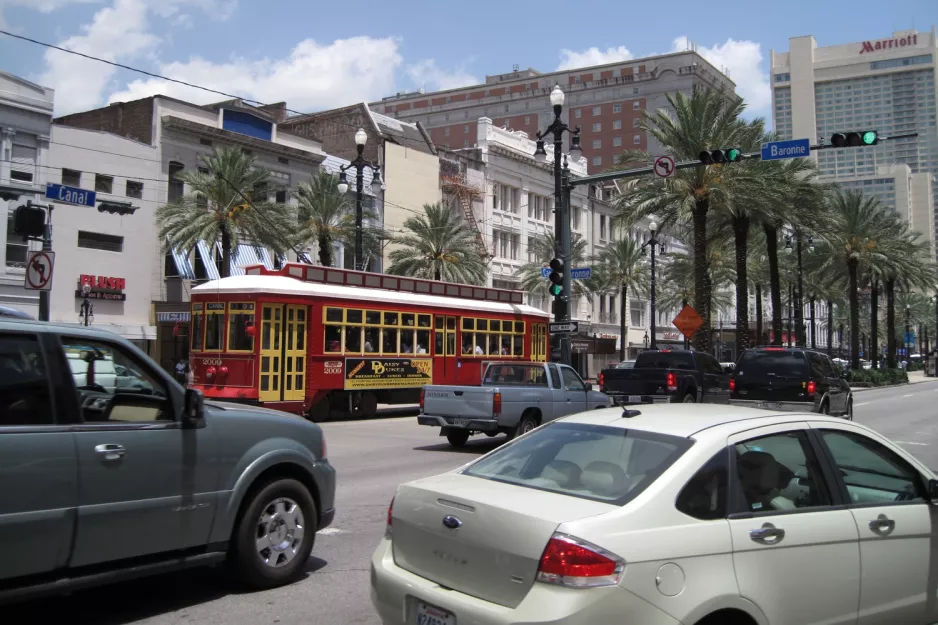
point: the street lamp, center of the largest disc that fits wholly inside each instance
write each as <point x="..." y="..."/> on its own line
<point x="654" y="244"/>
<point x="86" y="310"/>
<point x="908" y="321"/>
<point x="561" y="210"/>
<point x="801" y="338"/>
<point x="359" y="164"/>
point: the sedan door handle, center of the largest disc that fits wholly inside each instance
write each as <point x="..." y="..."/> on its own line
<point x="768" y="534"/>
<point x="110" y="452"/>
<point x="882" y="525"/>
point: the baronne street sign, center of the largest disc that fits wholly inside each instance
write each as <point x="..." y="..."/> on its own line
<point x="779" y="150"/>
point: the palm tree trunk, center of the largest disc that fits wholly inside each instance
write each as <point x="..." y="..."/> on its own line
<point x="701" y="288"/>
<point x="325" y="250"/>
<point x="890" y="285"/>
<point x="852" y="270"/>
<point x="741" y="241"/>
<point x="830" y="328"/>
<point x="775" y="284"/>
<point x="623" y="326"/>
<point x="874" y="323"/>
<point x="225" y="252"/>
<point x="759" y="340"/>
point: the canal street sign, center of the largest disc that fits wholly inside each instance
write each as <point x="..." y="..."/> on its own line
<point x="563" y="327"/>
<point x="70" y="195"/>
<point x="780" y="150"/>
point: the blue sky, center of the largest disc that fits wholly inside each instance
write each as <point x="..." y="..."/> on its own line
<point x="317" y="55"/>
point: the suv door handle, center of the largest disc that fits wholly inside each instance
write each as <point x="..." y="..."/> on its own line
<point x="882" y="525"/>
<point x="768" y="534"/>
<point x="110" y="452"/>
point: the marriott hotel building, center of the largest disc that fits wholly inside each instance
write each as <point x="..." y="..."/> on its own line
<point x="887" y="85"/>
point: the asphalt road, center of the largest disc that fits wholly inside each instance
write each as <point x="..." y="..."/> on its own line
<point x="372" y="458"/>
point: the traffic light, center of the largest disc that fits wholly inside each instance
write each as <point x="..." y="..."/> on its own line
<point x="718" y="157"/>
<point x="556" y="277"/>
<point x="854" y="139"/>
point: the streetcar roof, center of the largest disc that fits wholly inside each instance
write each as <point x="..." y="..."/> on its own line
<point x="282" y="285"/>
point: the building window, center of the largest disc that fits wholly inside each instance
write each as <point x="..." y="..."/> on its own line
<point x="637" y="139"/>
<point x="597" y="160"/>
<point x="597" y="127"/>
<point x="465" y="115"/>
<point x="283" y="159"/>
<point x="446" y="131"/>
<point x="634" y="90"/>
<point x="636" y="105"/>
<point x="637" y="310"/>
<point x="602" y="227"/>
<point x="99" y="241"/>
<point x="23" y="166"/>
<point x="575" y="218"/>
<point x="616" y="108"/>
<point x="578" y="113"/>
<point x="597" y="143"/>
<point x="506" y="244"/>
<point x="506" y="108"/>
<point x="207" y="142"/>
<point x="281" y="196"/>
<point x="446" y="117"/>
<point x="465" y="128"/>
<point x="617" y="142"/>
<point x="636" y="122"/>
<point x="134" y="189"/>
<point x="617" y="124"/>
<point x="176" y="186"/>
<point x="597" y="110"/>
<point x="465" y="143"/>
<point x="16" y="246"/>
<point x="71" y="178"/>
<point x="103" y="184"/>
<point x="527" y="120"/>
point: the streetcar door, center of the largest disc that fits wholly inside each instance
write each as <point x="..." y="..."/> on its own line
<point x="282" y="374"/>
<point x="444" y="350"/>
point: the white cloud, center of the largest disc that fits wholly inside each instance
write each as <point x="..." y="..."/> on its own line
<point x="592" y="56"/>
<point x="426" y="74"/>
<point x="43" y="6"/>
<point x="313" y="77"/>
<point x="743" y="59"/>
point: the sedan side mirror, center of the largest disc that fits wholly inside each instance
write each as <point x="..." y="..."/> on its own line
<point x="193" y="415"/>
<point x="933" y="491"/>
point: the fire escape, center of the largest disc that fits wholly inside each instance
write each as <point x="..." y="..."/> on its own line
<point x="456" y="185"/>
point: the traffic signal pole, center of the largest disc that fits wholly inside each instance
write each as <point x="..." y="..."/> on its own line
<point x="566" y="354"/>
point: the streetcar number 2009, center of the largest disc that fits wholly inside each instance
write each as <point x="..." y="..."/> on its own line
<point x="209" y="362"/>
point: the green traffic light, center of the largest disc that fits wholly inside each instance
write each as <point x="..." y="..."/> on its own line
<point x="733" y="155"/>
<point x="869" y="138"/>
<point x="555" y="289"/>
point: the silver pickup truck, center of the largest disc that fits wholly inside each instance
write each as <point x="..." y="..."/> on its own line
<point x="514" y="398"/>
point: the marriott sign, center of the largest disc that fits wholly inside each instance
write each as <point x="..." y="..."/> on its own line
<point x="889" y="44"/>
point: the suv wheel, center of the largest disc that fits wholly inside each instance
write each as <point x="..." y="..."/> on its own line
<point x="689" y="399"/>
<point x="825" y="408"/>
<point x="275" y="534"/>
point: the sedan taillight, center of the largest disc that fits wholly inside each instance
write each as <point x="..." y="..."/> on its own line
<point x="569" y="561"/>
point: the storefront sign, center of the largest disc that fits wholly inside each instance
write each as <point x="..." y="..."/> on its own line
<point x="669" y="335"/>
<point x="373" y="373"/>
<point x="889" y="44"/>
<point x="172" y="317"/>
<point x="102" y="287"/>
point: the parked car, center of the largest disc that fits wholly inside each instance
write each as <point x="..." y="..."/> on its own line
<point x="670" y="515"/>
<point x="791" y="378"/>
<point x="514" y="398"/>
<point x="102" y="480"/>
<point x="14" y="313"/>
<point x="661" y="376"/>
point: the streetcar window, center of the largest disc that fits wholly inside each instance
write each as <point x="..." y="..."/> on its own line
<point x="519" y="345"/>
<point x="390" y="319"/>
<point x="450" y="344"/>
<point x="519" y="327"/>
<point x="423" y="342"/>
<point x="407" y="342"/>
<point x="240" y="318"/>
<point x="373" y="317"/>
<point x="438" y="344"/>
<point x="468" y="324"/>
<point x="407" y="319"/>
<point x="354" y="316"/>
<point x="214" y="326"/>
<point x="451" y="323"/>
<point x="482" y="324"/>
<point x="195" y="340"/>
<point x="439" y="322"/>
<point x="495" y="325"/>
<point x="334" y="315"/>
<point x="423" y="321"/>
<point x="493" y="345"/>
<point x="372" y="340"/>
<point x="353" y="340"/>
<point x="390" y="340"/>
<point x="333" y="341"/>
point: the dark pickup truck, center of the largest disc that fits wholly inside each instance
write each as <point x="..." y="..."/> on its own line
<point x="668" y="377"/>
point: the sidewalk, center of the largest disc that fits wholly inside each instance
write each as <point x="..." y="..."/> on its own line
<point x="915" y="377"/>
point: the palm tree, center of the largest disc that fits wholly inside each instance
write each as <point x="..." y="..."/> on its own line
<point x="542" y="250"/>
<point x="326" y="216"/>
<point x="215" y="209"/>
<point x="621" y="269"/>
<point x="437" y="246"/>
<point x="705" y="119"/>
<point x="905" y="261"/>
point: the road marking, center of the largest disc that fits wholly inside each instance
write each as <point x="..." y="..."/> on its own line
<point x="910" y="443"/>
<point x="862" y="403"/>
<point x="331" y="531"/>
<point x="909" y="395"/>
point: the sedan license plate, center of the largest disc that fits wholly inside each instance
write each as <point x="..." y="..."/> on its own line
<point x="771" y="405"/>
<point x="635" y="399"/>
<point x="429" y="615"/>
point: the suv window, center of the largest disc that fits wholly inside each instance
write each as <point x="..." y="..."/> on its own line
<point x="817" y="365"/>
<point x="762" y="363"/>
<point x="828" y="366"/>
<point x="113" y="385"/>
<point x="709" y="364"/>
<point x="665" y="360"/>
<point x="871" y="472"/>
<point x="704" y="497"/>
<point x="602" y="463"/>
<point x="780" y="472"/>
<point x="25" y="397"/>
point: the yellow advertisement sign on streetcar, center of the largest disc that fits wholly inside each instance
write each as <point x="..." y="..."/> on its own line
<point x="370" y="373"/>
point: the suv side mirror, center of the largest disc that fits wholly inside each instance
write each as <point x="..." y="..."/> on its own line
<point x="933" y="492"/>
<point x="193" y="415"/>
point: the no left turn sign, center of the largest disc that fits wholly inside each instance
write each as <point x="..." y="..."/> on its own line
<point x="39" y="266"/>
<point x="664" y="166"/>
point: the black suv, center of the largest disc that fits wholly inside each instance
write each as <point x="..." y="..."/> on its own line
<point x="790" y="378"/>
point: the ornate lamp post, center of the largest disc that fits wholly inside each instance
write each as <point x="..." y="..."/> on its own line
<point x="654" y="244"/>
<point x="359" y="164"/>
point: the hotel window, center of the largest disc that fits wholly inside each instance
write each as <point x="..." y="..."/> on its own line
<point x="616" y="108"/>
<point x="636" y="105"/>
<point x="176" y="186"/>
<point x="637" y="139"/>
<point x="527" y="120"/>
<point x="134" y="189"/>
<point x="23" y="164"/>
<point x="617" y="141"/>
<point x="602" y="227"/>
<point x="103" y="184"/>
<point x="617" y="124"/>
<point x="597" y="110"/>
<point x="786" y="77"/>
<point x="465" y="128"/>
<point x="578" y="113"/>
<point x="597" y="160"/>
<point x="637" y="310"/>
<point x="446" y="131"/>
<point x="636" y="122"/>
<point x="492" y="337"/>
<point x="597" y="143"/>
<point x="71" y="178"/>
<point x="506" y="244"/>
<point x="597" y="127"/>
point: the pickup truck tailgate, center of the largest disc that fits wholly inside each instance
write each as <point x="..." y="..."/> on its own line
<point x="458" y="401"/>
<point x="636" y="382"/>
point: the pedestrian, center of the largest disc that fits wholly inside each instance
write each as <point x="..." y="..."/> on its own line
<point x="181" y="367"/>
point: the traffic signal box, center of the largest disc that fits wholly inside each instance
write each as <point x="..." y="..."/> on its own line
<point x="854" y="139"/>
<point x="718" y="157"/>
<point x="556" y="277"/>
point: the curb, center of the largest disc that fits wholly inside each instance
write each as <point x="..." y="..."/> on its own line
<point x="873" y="388"/>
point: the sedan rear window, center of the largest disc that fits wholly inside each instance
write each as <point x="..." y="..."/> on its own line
<point x="761" y="364"/>
<point x="601" y="463"/>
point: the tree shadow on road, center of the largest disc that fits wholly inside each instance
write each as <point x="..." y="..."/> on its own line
<point x="132" y="601"/>
<point x="476" y="446"/>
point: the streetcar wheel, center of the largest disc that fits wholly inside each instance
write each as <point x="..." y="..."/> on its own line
<point x="320" y="411"/>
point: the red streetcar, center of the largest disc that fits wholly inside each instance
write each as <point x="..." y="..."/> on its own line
<point x="319" y="341"/>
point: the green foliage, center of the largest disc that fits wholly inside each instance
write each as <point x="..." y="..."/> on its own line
<point x="877" y="377"/>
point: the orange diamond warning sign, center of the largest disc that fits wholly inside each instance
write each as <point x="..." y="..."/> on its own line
<point x="688" y="321"/>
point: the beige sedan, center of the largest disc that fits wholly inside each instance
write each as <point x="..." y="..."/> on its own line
<point x="668" y="515"/>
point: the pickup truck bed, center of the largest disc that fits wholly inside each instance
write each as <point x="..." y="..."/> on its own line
<point x="667" y="377"/>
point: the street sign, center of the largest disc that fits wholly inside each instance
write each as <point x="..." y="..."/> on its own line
<point x="70" y="195"/>
<point x="577" y="273"/>
<point x="563" y="327"/>
<point x="780" y="150"/>
<point x="688" y="321"/>
<point x="39" y="266"/>
<point x="664" y="166"/>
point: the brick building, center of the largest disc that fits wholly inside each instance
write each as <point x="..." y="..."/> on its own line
<point x="605" y="101"/>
